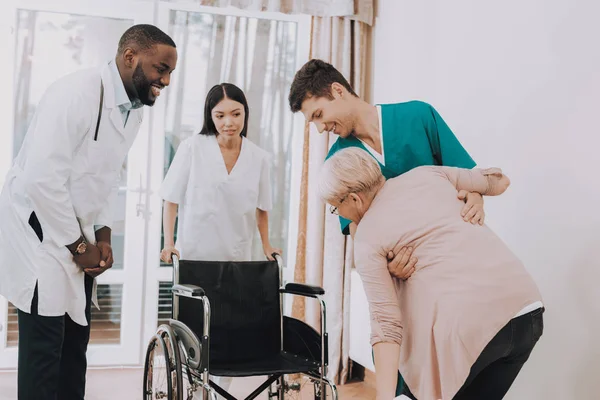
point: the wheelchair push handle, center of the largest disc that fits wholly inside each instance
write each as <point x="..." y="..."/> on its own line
<point x="278" y="258"/>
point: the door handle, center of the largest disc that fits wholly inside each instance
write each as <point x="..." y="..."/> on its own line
<point x="141" y="208"/>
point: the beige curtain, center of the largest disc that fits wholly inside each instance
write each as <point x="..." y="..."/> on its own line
<point x="360" y="10"/>
<point x="324" y="255"/>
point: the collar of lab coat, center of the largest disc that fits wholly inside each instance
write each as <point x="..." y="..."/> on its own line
<point x="121" y="97"/>
<point x="110" y="98"/>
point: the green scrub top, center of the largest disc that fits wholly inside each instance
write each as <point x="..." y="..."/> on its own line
<point x="414" y="134"/>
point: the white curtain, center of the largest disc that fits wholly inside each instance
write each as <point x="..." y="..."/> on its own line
<point x="324" y="255"/>
<point x="360" y="10"/>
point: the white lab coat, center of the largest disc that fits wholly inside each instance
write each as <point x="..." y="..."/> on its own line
<point x="71" y="182"/>
<point x="217" y="211"/>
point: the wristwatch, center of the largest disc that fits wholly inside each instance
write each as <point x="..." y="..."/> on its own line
<point x="81" y="248"/>
<point x="78" y="249"/>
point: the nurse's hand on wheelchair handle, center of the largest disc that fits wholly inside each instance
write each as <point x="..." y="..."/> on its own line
<point x="401" y="264"/>
<point x="271" y="251"/>
<point x="167" y="252"/>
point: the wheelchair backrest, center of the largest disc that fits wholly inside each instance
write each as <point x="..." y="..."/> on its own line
<point x="245" y="307"/>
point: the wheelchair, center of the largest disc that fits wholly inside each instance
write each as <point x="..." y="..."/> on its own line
<point x="227" y="321"/>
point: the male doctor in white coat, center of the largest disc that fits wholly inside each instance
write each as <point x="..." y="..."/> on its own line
<point x="56" y="207"/>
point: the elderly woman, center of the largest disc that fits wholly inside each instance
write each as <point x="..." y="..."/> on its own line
<point x="467" y="320"/>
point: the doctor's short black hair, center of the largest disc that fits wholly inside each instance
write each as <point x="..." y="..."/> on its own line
<point x="314" y="79"/>
<point x="215" y="95"/>
<point x="144" y="37"/>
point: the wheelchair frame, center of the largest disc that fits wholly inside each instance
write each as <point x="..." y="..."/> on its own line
<point x="167" y="338"/>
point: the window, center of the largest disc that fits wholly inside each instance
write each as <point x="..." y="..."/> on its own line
<point x="259" y="56"/>
<point x="106" y="322"/>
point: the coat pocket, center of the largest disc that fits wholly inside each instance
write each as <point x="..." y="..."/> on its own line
<point x="34" y="223"/>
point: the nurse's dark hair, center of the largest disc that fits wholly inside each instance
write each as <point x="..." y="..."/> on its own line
<point x="214" y="97"/>
<point x="314" y="79"/>
<point x="143" y="37"/>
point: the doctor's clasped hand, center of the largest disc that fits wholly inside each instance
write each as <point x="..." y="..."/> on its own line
<point x="105" y="261"/>
<point x="95" y="259"/>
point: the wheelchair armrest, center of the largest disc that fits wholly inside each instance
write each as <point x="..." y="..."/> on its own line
<point x="187" y="290"/>
<point x="302" y="289"/>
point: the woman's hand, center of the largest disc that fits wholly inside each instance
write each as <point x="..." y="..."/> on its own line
<point x="473" y="210"/>
<point x="166" y="253"/>
<point x="268" y="250"/>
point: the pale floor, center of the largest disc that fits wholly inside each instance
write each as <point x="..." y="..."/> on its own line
<point x="126" y="384"/>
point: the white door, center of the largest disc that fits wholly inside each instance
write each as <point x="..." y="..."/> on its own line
<point x="45" y="40"/>
<point x="259" y="52"/>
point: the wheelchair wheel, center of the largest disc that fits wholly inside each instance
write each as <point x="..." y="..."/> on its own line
<point x="319" y="389"/>
<point x="157" y="374"/>
<point x="174" y="357"/>
<point x="328" y="390"/>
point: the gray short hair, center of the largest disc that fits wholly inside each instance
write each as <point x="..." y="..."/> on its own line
<point x="351" y="170"/>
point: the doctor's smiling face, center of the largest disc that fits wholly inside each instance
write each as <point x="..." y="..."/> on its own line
<point x="146" y="58"/>
<point x="153" y="72"/>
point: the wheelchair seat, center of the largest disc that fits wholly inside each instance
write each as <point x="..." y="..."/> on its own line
<point x="282" y="363"/>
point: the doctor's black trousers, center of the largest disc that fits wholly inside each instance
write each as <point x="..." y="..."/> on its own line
<point x="52" y="352"/>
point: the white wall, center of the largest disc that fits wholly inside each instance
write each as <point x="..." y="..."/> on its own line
<point x="519" y="83"/>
